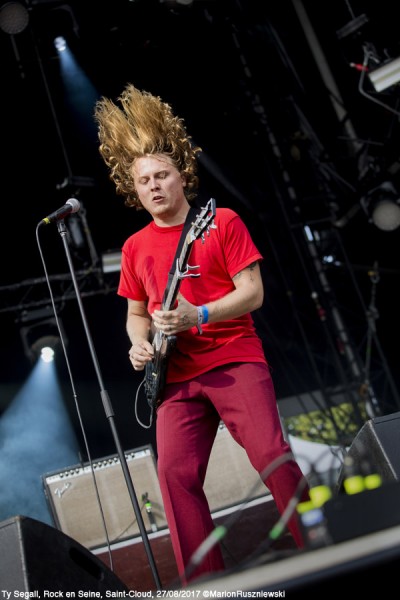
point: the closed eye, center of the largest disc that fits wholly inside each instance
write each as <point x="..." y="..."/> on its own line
<point x="158" y="175"/>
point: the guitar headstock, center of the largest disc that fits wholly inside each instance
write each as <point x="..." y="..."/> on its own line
<point x="204" y="221"/>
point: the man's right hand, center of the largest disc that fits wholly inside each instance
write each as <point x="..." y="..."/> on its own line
<point x="141" y="353"/>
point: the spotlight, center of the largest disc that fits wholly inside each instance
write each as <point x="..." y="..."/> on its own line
<point x="41" y="339"/>
<point x="382" y="206"/>
<point x="386" y="75"/>
<point x="14" y="18"/>
<point x="60" y="43"/>
<point x="45" y="347"/>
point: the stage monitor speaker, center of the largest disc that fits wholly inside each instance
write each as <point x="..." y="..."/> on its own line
<point x="72" y="498"/>
<point x="35" y="557"/>
<point x="378" y="442"/>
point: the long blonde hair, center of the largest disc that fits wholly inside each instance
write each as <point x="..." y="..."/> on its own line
<point x="143" y="125"/>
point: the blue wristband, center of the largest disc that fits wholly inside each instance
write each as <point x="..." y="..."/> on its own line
<point x="205" y="313"/>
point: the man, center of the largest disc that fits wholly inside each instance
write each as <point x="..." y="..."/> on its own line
<point x="217" y="369"/>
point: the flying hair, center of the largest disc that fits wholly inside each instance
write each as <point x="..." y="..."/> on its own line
<point x="140" y="125"/>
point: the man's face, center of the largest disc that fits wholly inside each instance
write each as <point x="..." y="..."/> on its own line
<point x="160" y="187"/>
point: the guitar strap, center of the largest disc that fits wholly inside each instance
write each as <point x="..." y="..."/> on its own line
<point x="188" y="221"/>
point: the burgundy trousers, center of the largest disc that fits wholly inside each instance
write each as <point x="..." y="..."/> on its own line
<point x="243" y="397"/>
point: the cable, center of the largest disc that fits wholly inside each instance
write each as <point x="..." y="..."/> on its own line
<point x="279" y="527"/>
<point x="220" y="531"/>
<point x="136" y="408"/>
<point x="75" y="398"/>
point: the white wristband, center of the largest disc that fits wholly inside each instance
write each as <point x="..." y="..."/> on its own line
<point x="199" y="319"/>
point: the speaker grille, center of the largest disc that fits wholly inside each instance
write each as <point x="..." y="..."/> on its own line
<point x="73" y="501"/>
<point x="230" y="477"/>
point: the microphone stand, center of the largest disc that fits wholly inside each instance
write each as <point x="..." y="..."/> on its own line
<point x="109" y="411"/>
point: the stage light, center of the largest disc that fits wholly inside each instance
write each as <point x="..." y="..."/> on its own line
<point x="386" y="215"/>
<point x="45" y="347"/>
<point x="14" y="18"/>
<point x="386" y="75"/>
<point x="41" y="339"/>
<point x="60" y="43"/>
<point x="382" y="206"/>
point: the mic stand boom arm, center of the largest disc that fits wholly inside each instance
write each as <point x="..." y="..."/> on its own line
<point x="109" y="410"/>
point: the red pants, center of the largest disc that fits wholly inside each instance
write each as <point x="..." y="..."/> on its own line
<point x="242" y="396"/>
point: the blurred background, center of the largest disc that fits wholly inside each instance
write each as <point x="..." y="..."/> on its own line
<point x="296" y="107"/>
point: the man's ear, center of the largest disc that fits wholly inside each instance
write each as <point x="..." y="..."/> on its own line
<point x="184" y="183"/>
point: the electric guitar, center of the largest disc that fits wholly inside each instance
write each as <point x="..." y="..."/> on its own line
<point x="163" y="344"/>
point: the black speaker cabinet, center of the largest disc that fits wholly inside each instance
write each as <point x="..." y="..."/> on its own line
<point x="37" y="557"/>
<point x="378" y="441"/>
<point x="72" y="498"/>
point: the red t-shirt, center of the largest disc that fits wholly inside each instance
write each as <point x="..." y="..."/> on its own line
<point x="146" y="260"/>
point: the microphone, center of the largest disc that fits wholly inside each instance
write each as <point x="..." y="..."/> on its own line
<point x="72" y="206"/>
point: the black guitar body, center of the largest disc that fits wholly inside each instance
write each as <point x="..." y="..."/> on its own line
<point x="156" y="370"/>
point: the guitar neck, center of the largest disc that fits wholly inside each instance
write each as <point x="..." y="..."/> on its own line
<point x="175" y="284"/>
<point x="204" y="221"/>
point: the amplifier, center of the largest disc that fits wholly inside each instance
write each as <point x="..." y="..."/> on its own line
<point x="231" y="478"/>
<point x="75" y="507"/>
<point x="72" y="498"/>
